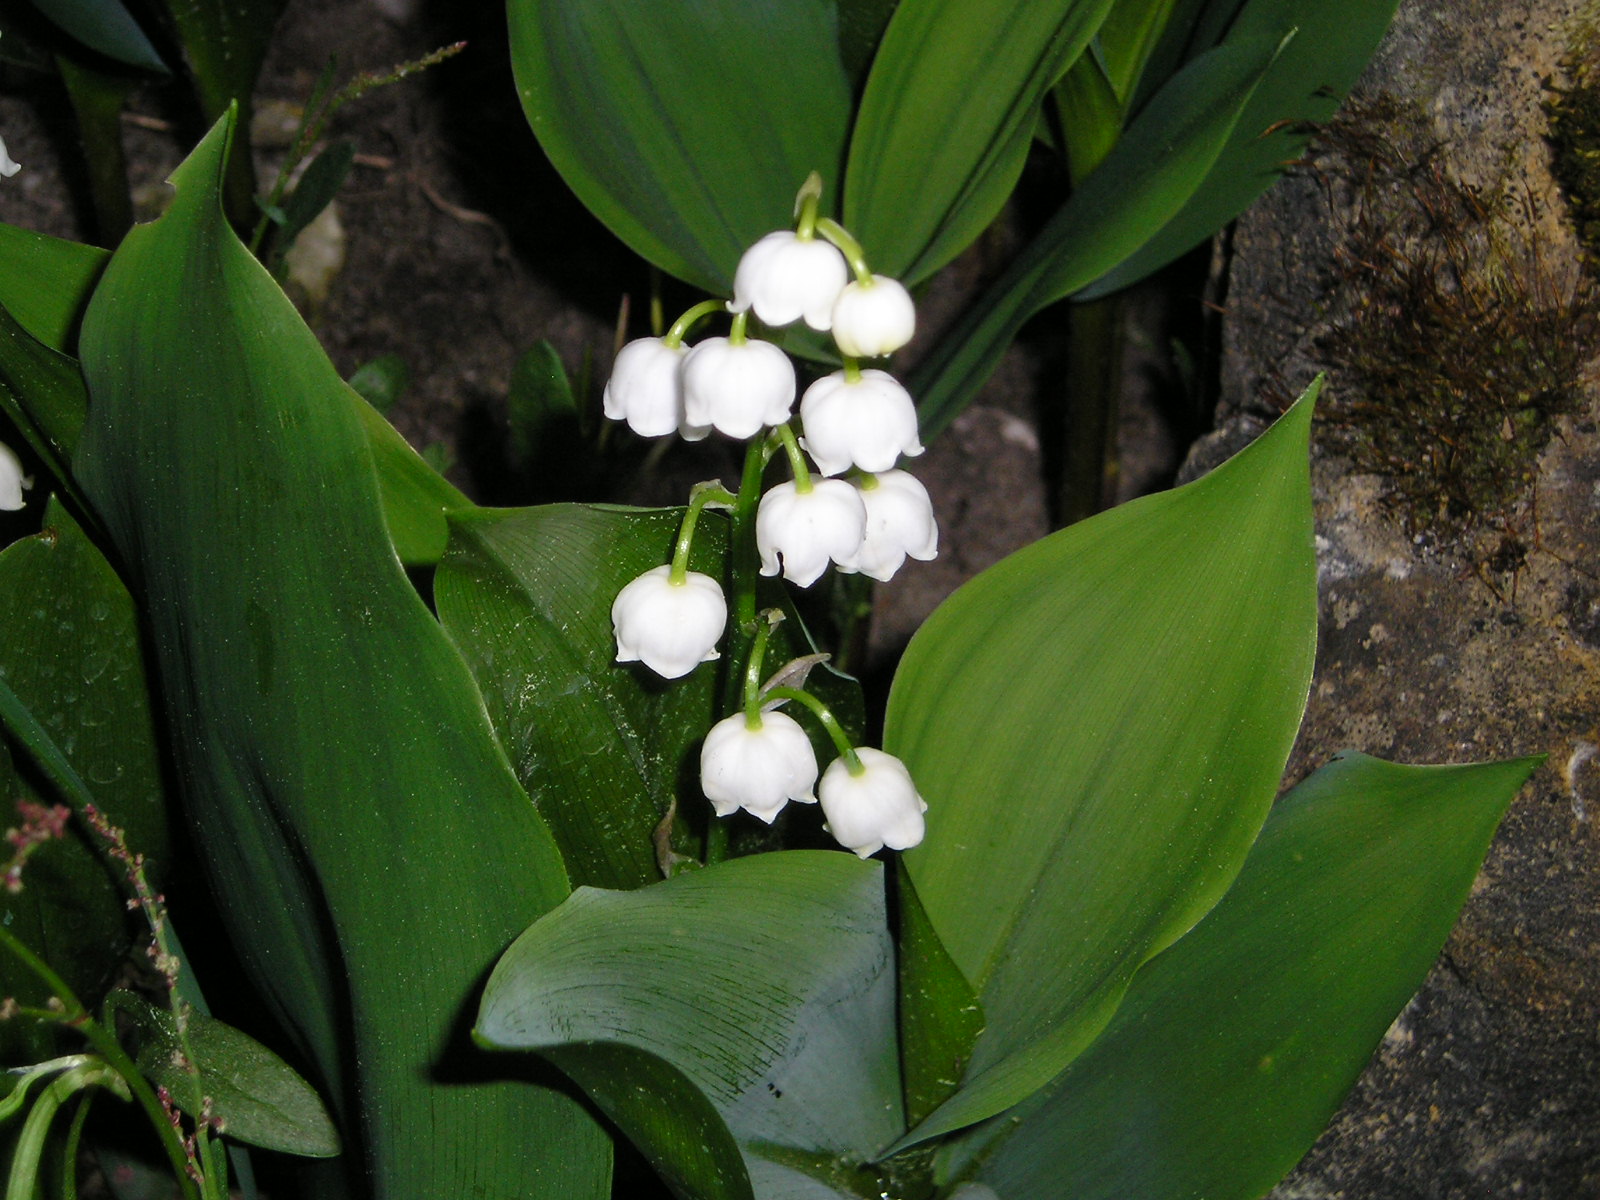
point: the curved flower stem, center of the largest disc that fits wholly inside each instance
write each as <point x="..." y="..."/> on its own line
<point x="746" y="560"/>
<point x="680" y="327"/>
<point x="849" y="247"/>
<point x="805" y="207"/>
<point x="736" y="330"/>
<point x="753" y="665"/>
<point x="797" y="460"/>
<point x="74" y="1015"/>
<point x="824" y="714"/>
<point x="702" y="495"/>
<point x="28" y="1152"/>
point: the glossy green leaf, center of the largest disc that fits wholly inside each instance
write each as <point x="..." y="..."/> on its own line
<point x="940" y="1017"/>
<point x="861" y="26"/>
<point x="1331" y="45"/>
<point x="258" y="1097"/>
<point x="1128" y="38"/>
<point x="42" y="392"/>
<point x="543" y="413"/>
<point x="1270" y="1008"/>
<point x="69" y="655"/>
<point x="601" y="748"/>
<point x="369" y="847"/>
<point x="382" y="381"/>
<point x="666" y="1117"/>
<point x="1143" y="182"/>
<point x="224" y="44"/>
<point x="106" y="27"/>
<point x="933" y="158"/>
<point x="766" y="981"/>
<point x="1141" y="676"/>
<point x="417" y="500"/>
<point x="686" y="128"/>
<point x="98" y="98"/>
<point x="45" y="283"/>
<point x="319" y="185"/>
<point x="1090" y="113"/>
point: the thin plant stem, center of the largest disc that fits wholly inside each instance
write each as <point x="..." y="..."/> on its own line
<point x="829" y="722"/>
<point x="75" y="1016"/>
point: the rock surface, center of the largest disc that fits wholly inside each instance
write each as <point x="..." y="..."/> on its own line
<point x="1451" y="640"/>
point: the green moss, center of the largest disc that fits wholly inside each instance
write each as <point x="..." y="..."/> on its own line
<point x="1455" y="344"/>
<point x="1573" y="110"/>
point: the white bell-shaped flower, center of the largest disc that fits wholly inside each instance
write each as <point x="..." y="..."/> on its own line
<point x="866" y="423"/>
<point x="807" y="530"/>
<point x="873" y="319"/>
<point x="900" y="523"/>
<point x="760" y="769"/>
<point x="645" y="389"/>
<point x="784" y="278"/>
<point x="877" y="808"/>
<point x="8" y="167"/>
<point x="670" y="627"/>
<point x="737" y="387"/>
<point x="12" y="480"/>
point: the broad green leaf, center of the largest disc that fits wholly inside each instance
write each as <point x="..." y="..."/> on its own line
<point x="1234" y="1049"/>
<point x="258" y="1097"/>
<point x="933" y="157"/>
<point x="1332" y="44"/>
<point x="319" y="185"/>
<point x="416" y="499"/>
<point x="370" y="849"/>
<point x="45" y="283"/>
<point x="540" y="407"/>
<point x="940" y="1016"/>
<point x="686" y="128"/>
<point x="98" y="97"/>
<point x="382" y="381"/>
<point x="1128" y="38"/>
<point x="1141" y="676"/>
<point x="42" y="392"/>
<point x="1091" y="113"/>
<point x="1192" y="28"/>
<point x="861" y="26"/>
<point x="69" y="654"/>
<point x="1143" y="182"/>
<point x="224" y="44"/>
<point x="666" y="1117"/>
<point x="601" y="748"/>
<point x="766" y="981"/>
<point x="106" y="27"/>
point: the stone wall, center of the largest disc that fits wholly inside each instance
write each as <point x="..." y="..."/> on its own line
<point x="1460" y="583"/>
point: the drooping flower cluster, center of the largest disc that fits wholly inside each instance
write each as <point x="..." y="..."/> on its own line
<point x="847" y="505"/>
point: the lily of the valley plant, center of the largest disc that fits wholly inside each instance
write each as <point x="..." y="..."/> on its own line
<point x="514" y="823"/>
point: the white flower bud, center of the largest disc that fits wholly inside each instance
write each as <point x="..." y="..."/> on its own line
<point x="644" y="389"/>
<point x="785" y="279"/>
<point x="12" y="480"/>
<point x="759" y="770"/>
<point x="877" y="808"/>
<point x="807" y="529"/>
<point x="737" y="387"/>
<point x="670" y="627"/>
<point x="868" y="423"/>
<point x="871" y="320"/>
<point x="899" y="523"/>
<point x="8" y="168"/>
